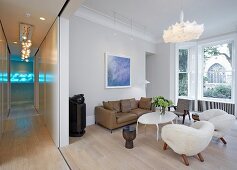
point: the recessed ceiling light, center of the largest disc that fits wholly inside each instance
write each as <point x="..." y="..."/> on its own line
<point x="15" y="42"/>
<point x="42" y="18"/>
<point x="28" y="14"/>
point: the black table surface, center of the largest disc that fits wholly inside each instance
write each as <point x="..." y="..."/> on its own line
<point x="129" y="128"/>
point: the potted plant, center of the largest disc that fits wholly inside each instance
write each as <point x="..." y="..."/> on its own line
<point x="160" y="101"/>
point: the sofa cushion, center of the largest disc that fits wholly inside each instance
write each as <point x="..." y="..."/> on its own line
<point x="125" y="105"/>
<point x="145" y="103"/>
<point x="116" y="105"/>
<point x="125" y="117"/>
<point x="139" y="111"/>
<point x="134" y="104"/>
<point x="107" y="105"/>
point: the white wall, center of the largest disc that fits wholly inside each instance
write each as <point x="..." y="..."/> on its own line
<point x="64" y="82"/>
<point x="52" y="81"/>
<point x="4" y="81"/>
<point x="48" y="58"/>
<point x="235" y="61"/>
<point x="158" y="72"/>
<point x="88" y="43"/>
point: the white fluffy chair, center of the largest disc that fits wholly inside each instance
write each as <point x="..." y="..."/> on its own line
<point x="221" y="120"/>
<point x="188" y="141"/>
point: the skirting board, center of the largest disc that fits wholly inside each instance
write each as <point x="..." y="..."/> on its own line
<point x="90" y="120"/>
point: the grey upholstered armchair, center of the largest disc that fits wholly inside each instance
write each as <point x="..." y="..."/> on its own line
<point x="182" y="108"/>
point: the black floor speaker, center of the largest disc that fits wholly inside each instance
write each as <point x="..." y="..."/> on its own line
<point x="77" y="118"/>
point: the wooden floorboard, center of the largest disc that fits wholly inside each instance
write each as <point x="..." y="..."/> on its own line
<point x="26" y="145"/>
<point x="99" y="149"/>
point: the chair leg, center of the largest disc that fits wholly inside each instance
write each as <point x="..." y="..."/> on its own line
<point x="189" y="116"/>
<point x="184" y="118"/>
<point x="200" y="157"/>
<point x="165" y="146"/>
<point x="223" y="140"/>
<point x="185" y="159"/>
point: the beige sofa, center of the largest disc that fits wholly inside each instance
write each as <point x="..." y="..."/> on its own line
<point x="115" y="114"/>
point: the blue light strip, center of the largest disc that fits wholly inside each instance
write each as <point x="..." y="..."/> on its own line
<point x="22" y="78"/>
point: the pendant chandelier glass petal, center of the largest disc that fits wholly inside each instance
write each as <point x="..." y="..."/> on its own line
<point x="183" y="31"/>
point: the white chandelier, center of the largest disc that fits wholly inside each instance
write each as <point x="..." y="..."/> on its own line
<point x="183" y="31"/>
<point x="25" y="38"/>
<point x="25" y="52"/>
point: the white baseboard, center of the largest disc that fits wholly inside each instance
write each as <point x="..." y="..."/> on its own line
<point x="90" y="120"/>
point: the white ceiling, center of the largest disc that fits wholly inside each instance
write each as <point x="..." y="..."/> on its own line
<point x="12" y="13"/>
<point x="218" y="16"/>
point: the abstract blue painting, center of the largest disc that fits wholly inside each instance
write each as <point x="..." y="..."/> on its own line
<point x="117" y="71"/>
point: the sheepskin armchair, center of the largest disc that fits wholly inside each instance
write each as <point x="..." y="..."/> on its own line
<point x="188" y="141"/>
<point x="221" y="120"/>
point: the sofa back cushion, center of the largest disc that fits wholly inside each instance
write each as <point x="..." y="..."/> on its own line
<point x="108" y="105"/>
<point x="125" y="105"/>
<point x="134" y="104"/>
<point x="145" y="103"/>
<point x="116" y="105"/>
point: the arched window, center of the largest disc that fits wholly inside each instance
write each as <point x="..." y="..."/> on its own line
<point x="216" y="74"/>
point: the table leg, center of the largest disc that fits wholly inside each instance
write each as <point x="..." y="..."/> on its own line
<point x="172" y="121"/>
<point x="145" y="129"/>
<point x="137" y="127"/>
<point x="157" y="137"/>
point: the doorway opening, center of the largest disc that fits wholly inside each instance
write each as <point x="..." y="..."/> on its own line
<point x="21" y="87"/>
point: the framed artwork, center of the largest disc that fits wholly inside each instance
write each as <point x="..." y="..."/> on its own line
<point x="117" y="71"/>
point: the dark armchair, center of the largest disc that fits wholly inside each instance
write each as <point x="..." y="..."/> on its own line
<point x="182" y="108"/>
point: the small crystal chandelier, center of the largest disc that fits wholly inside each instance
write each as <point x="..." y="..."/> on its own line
<point x="25" y="38"/>
<point x="183" y="31"/>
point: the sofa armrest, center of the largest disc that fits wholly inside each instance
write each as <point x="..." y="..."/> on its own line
<point x="105" y="117"/>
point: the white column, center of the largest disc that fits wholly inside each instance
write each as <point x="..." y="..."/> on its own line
<point x="64" y="81"/>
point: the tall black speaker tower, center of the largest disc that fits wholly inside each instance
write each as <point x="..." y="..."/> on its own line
<point x="77" y="116"/>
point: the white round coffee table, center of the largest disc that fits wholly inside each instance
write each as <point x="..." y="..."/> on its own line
<point x="155" y="118"/>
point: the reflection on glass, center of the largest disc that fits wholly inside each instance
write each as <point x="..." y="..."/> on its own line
<point x="22" y="77"/>
<point x="41" y="77"/>
<point x="183" y="84"/>
<point x="217" y="75"/>
<point x="183" y="60"/>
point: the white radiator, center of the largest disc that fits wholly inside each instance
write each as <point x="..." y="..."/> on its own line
<point x="205" y="105"/>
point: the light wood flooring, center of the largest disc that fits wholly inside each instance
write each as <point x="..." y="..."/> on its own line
<point x="99" y="149"/>
<point x="26" y="144"/>
<point x="21" y="110"/>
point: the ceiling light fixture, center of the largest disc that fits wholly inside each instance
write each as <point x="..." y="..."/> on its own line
<point x="14" y="42"/>
<point x="183" y="31"/>
<point x="42" y="18"/>
<point x="28" y="14"/>
<point x="25" y="36"/>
